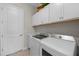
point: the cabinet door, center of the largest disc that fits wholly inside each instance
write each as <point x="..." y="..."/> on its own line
<point x="44" y="15"/>
<point x="35" y="47"/>
<point x="71" y="10"/>
<point x="41" y="17"/>
<point x="35" y="19"/>
<point x="56" y="12"/>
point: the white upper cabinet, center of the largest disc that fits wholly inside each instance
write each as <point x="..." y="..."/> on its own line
<point x="36" y="19"/>
<point x="56" y="12"/>
<point x="41" y="17"/>
<point x="44" y="15"/>
<point x="71" y="10"/>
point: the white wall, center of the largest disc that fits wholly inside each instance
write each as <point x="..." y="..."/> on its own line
<point x="29" y="11"/>
<point x="67" y="28"/>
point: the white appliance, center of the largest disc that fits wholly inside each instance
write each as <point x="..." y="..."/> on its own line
<point x="53" y="45"/>
<point x="35" y="42"/>
<point x="58" y="47"/>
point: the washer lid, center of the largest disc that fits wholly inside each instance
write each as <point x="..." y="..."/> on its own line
<point x="64" y="37"/>
<point x="63" y="46"/>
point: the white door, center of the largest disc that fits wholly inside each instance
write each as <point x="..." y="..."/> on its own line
<point x="13" y="29"/>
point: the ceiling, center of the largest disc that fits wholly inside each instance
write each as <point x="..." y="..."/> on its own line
<point x="34" y="4"/>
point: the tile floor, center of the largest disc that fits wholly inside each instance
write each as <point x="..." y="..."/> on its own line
<point x="21" y="53"/>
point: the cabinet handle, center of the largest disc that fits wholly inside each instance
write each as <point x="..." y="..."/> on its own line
<point x="61" y="17"/>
